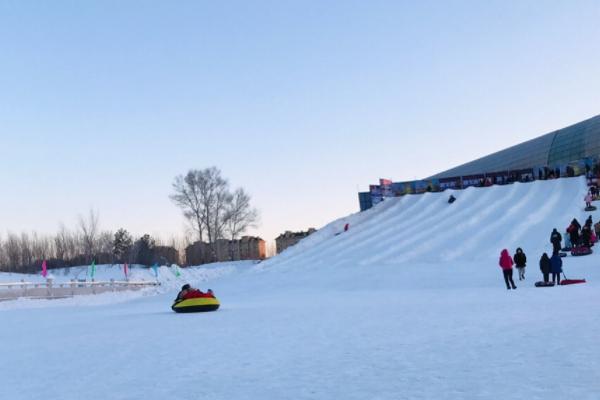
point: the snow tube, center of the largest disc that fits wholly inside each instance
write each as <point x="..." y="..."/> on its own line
<point x="571" y="281"/>
<point x="206" y="302"/>
<point x="591" y="208"/>
<point x="544" y="284"/>
<point x="562" y="254"/>
<point x="581" y="251"/>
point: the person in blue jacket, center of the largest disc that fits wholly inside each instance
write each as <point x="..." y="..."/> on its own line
<point x="556" y="267"/>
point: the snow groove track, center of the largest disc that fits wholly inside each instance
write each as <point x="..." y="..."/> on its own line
<point x="425" y="227"/>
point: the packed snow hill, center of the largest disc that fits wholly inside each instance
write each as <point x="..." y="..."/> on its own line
<point x="408" y="303"/>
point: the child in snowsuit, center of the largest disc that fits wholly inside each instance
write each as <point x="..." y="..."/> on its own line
<point x="588" y="199"/>
<point x="545" y="267"/>
<point x="555" y="239"/>
<point x="520" y="260"/>
<point x="556" y="268"/>
<point x="506" y="264"/>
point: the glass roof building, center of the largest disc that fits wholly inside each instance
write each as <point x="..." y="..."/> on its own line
<point x="560" y="147"/>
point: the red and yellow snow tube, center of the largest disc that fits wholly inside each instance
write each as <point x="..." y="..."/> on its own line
<point x="197" y="304"/>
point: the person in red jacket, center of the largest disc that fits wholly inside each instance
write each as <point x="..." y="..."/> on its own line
<point x="506" y="263"/>
<point x="188" y="292"/>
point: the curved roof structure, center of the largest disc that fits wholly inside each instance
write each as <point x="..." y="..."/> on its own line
<point x="560" y="147"/>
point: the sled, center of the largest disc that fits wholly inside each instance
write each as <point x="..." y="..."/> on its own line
<point x="581" y="251"/>
<point x="562" y="254"/>
<point x="566" y="249"/>
<point x="544" y="284"/>
<point x="201" y="303"/>
<point x="571" y="281"/>
<point x="591" y="208"/>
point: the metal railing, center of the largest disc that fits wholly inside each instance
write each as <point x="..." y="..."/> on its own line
<point x="56" y="290"/>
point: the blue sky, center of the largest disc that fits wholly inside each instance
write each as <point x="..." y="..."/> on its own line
<point x="103" y="103"/>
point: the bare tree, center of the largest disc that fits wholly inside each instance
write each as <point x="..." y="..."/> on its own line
<point x="239" y="214"/>
<point x="3" y="258"/>
<point x="26" y="251"/>
<point x="104" y="243"/>
<point x="89" y="233"/>
<point x="13" y="252"/>
<point x="61" y="243"/>
<point x="203" y="196"/>
<point x="188" y="197"/>
<point x="41" y="247"/>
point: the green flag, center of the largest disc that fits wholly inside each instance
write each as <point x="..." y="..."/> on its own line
<point x="93" y="269"/>
<point x="176" y="269"/>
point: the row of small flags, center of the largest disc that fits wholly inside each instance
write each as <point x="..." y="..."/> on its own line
<point x="92" y="270"/>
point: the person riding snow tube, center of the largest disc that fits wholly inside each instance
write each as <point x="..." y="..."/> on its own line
<point x="194" y="300"/>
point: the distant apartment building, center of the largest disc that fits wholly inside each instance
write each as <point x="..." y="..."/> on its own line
<point x="246" y="248"/>
<point x="289" y="238"/>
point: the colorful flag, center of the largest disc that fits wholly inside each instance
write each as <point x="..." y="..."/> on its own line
<point x="44" y="269"/>
<point x="125" y="270"/>
<point x="155" y="268"/>
<point x="176" y="270"/>
<point x="93" y="269"/>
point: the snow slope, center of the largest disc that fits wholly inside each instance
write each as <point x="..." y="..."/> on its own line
<point x="408" y="304"/>
<point x="426" y="228"/>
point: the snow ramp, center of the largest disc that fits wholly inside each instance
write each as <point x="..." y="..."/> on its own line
<point x="424" y="228"/>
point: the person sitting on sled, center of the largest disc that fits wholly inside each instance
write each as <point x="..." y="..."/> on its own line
<point x="185" y="289"/>
<point x="188" y="292"/>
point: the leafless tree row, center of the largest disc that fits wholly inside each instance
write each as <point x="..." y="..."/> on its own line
<point x="25" y="252"/>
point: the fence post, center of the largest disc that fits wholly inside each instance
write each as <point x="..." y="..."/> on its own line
<point x="49" y="287"/>
<point x="112" y="284"/>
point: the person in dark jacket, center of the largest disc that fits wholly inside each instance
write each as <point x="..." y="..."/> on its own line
<point x="586" y="236"/>
<point x="588" y="221"/>
<point x="520" y="260"/>
<point x="545" y="267"/>
<point x="574" y="232"/>
<point x="451" y="199"/>
<point x="556" y="240"/>
<point x="556" y="268"/>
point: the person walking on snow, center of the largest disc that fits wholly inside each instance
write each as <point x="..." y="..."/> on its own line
<point x="555" y="239"/>
<point x="556" y="268"/>
<point x="520" y="260"/>
<point x="506" y="264"/>
<point x="545" y="267"/>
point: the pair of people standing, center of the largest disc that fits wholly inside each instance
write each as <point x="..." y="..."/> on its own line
<point x="506" y="263"/>
<point x="551" y="266"/>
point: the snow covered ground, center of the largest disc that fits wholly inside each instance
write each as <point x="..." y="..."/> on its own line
<point x="408" y="304"/>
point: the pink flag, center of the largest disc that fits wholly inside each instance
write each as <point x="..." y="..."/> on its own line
<point x="125" y="270"/>
<point x="44" y="269"/>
